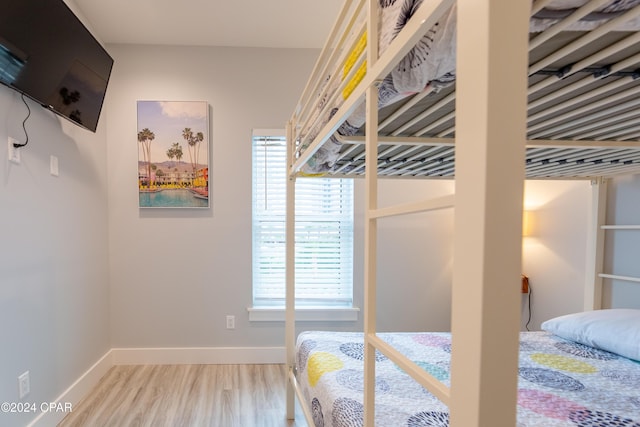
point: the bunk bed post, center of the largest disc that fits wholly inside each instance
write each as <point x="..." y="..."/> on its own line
<point x="290" y="320"/>
<point x="370" y="248"/>
<point x="371" y="224"/>
<point x="492" y="38"/>
<point x="595" y="245"/>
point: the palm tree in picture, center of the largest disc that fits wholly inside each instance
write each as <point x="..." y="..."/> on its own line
<point x="145" y="136"/>
<point x="171" y="154"/>
<point x="193" y="140"/>
<point x="177" y="151"/>
<point x="199" y="138"/>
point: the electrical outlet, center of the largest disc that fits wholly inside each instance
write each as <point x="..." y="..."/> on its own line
<point x="14" y="152"/>
<point x="53" y="166"/>
<point x="231" y="322"/>
<point x="24" y="386"/>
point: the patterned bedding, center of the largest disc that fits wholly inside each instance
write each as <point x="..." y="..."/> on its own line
<point x="561" y="383"/>
<point x="430" y="62"/>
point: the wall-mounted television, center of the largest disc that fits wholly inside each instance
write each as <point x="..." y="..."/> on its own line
<point x="50" y="56"/>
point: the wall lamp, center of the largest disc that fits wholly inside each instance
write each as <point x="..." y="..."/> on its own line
<point x="528" y="223"/>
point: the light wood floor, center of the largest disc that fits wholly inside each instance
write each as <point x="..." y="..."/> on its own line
<point x="187" y="395"/>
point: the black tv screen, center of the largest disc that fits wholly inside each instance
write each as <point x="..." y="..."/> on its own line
<point x="50" y="56"/>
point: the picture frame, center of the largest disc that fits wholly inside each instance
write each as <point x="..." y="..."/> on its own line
<point x="173" y="154"/>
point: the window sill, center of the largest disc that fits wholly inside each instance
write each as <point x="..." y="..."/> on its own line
<point x="262" y="314"/>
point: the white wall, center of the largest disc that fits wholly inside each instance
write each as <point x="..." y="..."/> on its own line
<point x="417" y="250"/>
<point x="415" y="259"/>
<point x="53" y="254"/>
<point x="176" y="274"/>
<point x="554" y="255"/>
<point x="415" y="274"/>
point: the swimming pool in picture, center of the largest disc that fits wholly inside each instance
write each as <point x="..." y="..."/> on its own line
<point x="172" y="198"/>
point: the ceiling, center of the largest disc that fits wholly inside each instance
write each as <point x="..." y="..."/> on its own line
<point x="249" y="23"/>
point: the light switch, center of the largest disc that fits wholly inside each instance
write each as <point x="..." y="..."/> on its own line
<point x="53" y="165"/>
<point x="14" y="152"/>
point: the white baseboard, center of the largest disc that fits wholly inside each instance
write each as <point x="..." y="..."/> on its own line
<point x="198" y="356"/>
<point x="72" y="395"/>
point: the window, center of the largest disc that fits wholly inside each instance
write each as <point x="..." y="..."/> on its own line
<point x="324" y="233"/>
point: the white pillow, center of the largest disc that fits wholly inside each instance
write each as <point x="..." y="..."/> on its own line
<point x="616" y="330"/>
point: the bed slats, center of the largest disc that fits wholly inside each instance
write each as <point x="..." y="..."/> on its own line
<point x="435" y="158"/>
<point x="583" y="86"/>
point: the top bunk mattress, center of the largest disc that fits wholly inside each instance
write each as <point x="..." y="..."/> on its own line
<point x="426" y="77"/>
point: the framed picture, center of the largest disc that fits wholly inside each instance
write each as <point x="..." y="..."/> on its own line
<point x="173" y="154"/>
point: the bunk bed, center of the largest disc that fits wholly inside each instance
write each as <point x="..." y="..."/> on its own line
<point x="487" y="94"/>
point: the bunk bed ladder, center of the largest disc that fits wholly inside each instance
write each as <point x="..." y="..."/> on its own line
<point x="489" y="194"/>
<point x="372" y="342"/>
<point x="597" y="271"/>
<point x="489" y="187"/>
<point x="373" y="213"/>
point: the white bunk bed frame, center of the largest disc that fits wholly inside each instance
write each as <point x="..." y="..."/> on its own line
<point x="491" y="152"/>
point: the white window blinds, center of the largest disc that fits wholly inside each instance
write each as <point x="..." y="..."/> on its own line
<point x="324" y="233"/>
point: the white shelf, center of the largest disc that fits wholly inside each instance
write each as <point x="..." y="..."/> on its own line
<point x="616" y="277"/>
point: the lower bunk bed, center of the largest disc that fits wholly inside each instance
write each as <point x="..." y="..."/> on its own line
<point x="582" y="370"/>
